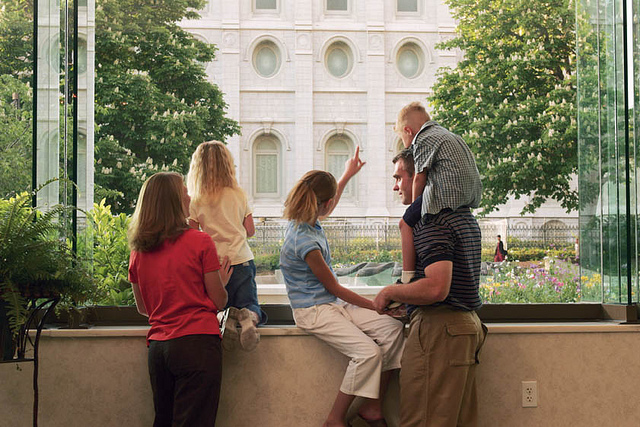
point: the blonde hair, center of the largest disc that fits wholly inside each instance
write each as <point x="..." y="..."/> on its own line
<point x="159" y="213"/>
<point x="211" y="170"/>
<point x="304" y="199"/>
<point x="409" y="110"/>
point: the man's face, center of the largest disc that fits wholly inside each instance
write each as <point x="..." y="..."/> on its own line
<point x="403" y="184"/>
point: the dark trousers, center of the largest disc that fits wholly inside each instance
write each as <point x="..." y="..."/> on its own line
<point x="185" y="378"/>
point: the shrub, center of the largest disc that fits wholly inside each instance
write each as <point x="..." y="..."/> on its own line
<point x="110" y="255"/>
<point x="267" y="263"/>
<point x="343" y="257"/>
<point x="36" y="261"/>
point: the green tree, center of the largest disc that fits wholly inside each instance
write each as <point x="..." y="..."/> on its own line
<point x="153" y="101"/>
<point x="16" y="96"/>
<point x="15" y="138"/>
<point x="512" y="97"/>
<point x="16" y="38"/>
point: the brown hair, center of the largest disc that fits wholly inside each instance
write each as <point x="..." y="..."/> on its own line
<point x="406" y="156"/>
<point x="408" y="110"/>
<point x="159" y="213"/>
<point x="304" y="199"/>
<point x="211" y="170"/>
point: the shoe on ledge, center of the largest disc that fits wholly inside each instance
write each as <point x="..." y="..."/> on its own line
<point x="249" y="335"/>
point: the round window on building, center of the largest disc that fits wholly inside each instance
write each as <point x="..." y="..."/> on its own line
<point x="266" y="58"/>
<point x="410" y="60"/>
<point x="339" y="59"/>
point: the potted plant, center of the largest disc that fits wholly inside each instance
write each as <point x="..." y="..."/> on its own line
<point x="36" y="261"/>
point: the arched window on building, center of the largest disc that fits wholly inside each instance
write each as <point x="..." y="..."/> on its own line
<point x="410" y="60"/>
<point x="339" y="59"/>
<point x="266" y="167"/>
<point x="339" y="149"/>
<point x="267" y="58"/>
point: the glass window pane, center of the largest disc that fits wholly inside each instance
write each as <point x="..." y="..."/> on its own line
<point x="338" y="152"/>
<point x="266" y="173"/>
<point x="407" y="5"/>
<point x="266" y="4"/>
<point x="408" y="62"/>
<point x="337" y="4"/>
<point x="267" y="145"/>
<point x="338" y="60"/>
<point x="266" y="59"/>
<point x="338" y="145"/>
<point x="607" y="231"/>
<point x="335" y="164"/>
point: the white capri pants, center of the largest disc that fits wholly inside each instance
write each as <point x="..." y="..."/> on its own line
<point x="373" y="342"/>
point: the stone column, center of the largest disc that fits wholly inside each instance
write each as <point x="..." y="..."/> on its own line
<point x="300" y="158"/>
<point x="375" y="186"/>
<point x="229" y="55"/>
<point x="48" y="103"/>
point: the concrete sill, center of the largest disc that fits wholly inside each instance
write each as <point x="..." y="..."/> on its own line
<point x="494" y="328"/>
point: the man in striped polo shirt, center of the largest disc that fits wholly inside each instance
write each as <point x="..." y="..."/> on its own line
<point x="437" y="380"/>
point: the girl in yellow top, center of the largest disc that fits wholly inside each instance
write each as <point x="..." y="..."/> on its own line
<point x="219" y="206"/>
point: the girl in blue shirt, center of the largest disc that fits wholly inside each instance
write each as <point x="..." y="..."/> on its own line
<point x="333" y="313"/>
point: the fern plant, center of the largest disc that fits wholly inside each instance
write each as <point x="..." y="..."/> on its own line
<point x="36" y="261"/>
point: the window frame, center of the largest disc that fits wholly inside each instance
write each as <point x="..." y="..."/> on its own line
<point x="258" y="11"/>
<point x="409" y="14"/>
<point x="266" y="43"/>
<point x="497" y="312"/>
<point x="254" y="166"/>
<point x="420" y="54"/>
<point x="282" y="315"/>
<point x="337" y="12"/>
<point x="347" y="49"/>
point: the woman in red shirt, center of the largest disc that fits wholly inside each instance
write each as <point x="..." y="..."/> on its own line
<point x="178" y="282"/>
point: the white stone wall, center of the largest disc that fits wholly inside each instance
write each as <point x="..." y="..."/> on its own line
<point x="304" y="105"/>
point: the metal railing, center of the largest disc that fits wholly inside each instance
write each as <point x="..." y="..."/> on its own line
<point x="344" y="236"/>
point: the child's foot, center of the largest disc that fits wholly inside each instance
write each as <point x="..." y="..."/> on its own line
<point x="229" y="326"/>
<point x="249" y="335"/>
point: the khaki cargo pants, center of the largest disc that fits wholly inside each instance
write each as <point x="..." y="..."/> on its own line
<point x="437" y="379"/>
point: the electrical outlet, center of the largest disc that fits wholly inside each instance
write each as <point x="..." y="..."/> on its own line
<point x="529" y="394"/>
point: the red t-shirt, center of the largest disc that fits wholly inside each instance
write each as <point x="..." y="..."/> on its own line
<point x="171" y="281"/>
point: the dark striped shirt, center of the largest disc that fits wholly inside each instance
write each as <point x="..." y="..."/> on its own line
<point x="452" y="236"/>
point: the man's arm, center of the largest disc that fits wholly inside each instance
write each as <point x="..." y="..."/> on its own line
<point x="433" y="288"/>
<point x="419" y="182"/>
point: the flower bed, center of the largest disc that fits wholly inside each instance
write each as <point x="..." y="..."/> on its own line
<point x="539" y="282"/>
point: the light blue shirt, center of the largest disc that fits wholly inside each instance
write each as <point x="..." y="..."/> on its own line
<point x="303" y="287"/>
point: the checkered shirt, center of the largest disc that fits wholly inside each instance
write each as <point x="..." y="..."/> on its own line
<point x="452" y="175"/>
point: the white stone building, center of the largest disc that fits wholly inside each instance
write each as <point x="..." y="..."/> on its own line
<point x="309" y="80"/>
